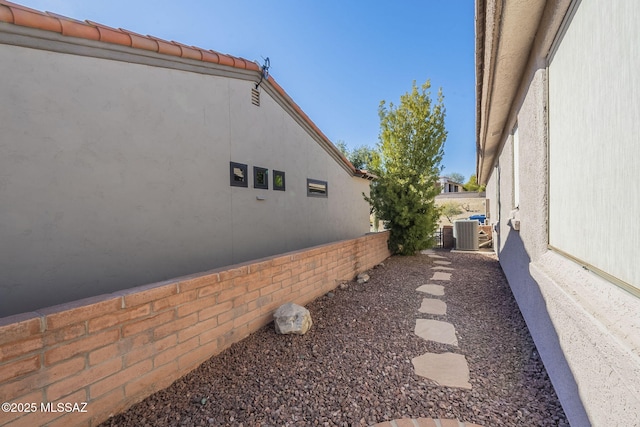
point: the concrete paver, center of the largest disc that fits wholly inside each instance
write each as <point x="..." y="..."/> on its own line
<point x="442" y="262"/>
<point x="436" y="330"/>
<point x="447" y="369"/>
<point x="437" y="290"/>
<point x="439" y="275"/>
<point x="433" y="306"/>
<point x="439" y="267"/>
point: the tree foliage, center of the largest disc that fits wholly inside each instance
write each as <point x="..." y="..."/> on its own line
<point x="472" y="184"/>
<point x="450" y="210"/>
<point x="411" y="145"/>
<point x="456" y="177"/>
<point x="361" y="157"/>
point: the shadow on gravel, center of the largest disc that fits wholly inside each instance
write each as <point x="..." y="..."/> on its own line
<point x="353" y="368"/>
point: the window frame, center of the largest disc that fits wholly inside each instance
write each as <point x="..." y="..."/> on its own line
<point x="245" y="169"/>
<point x="257" y="170"/>
<point x="317" y="181"/>
<point x="282" y="187"/>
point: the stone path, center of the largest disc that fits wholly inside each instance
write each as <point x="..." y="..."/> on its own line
<point x="446" y="369"/>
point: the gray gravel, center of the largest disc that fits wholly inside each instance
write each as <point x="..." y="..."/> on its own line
<point x="353" y="368"/>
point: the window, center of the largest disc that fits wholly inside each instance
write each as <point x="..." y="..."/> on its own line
<point x="260" y="177"/>
<point x="278" y="180"/>
<point x="593" y="143"/>
<point x="316" y="188"/>
<point x="238" y="174"/>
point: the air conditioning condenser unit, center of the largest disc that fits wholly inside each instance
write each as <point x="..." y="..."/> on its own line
<point x="466" y="235"/>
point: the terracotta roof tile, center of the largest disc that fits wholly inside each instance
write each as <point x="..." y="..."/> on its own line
<point x="75" y="28"/>
<point x="111" y="35"/>
<point x="20" y="15"/>
<point x="189" y="52"/>
<point x="35" y="19"/>
<point x="253" y="66"/>
<point x="167" y="48"/>
<point x="225" y="60"/>
<point x="5" y="14"/>
<point x="138" y="41"/>
<point x="210" y="56"/>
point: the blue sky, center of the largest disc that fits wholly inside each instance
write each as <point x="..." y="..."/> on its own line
<point x="337" y="59"/>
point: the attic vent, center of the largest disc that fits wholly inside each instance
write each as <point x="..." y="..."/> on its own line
<point x="255" y="97"/>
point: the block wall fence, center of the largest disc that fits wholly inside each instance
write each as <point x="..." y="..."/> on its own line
<point x="114" y="350"/>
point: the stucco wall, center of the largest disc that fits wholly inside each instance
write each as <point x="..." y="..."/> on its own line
<point x="594" y="108"/>
<point x="585" y="328"/>
<point x="116" y="174"/>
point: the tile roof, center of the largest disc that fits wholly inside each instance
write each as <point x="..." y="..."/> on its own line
<point x="26" y="17"/>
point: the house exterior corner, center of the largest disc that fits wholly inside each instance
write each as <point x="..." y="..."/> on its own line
<point x="556" y="124"/>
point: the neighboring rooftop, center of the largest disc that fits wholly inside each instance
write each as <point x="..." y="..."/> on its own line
<point x="17" y="14"/>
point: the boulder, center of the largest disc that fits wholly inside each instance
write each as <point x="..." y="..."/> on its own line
<point x="291" y="318"/>
<point x="363" y="278"/>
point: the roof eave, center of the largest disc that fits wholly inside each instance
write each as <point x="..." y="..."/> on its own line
<point x="505" y="32"/>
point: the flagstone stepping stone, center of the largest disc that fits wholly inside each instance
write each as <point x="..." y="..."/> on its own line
<point x="436" y="330"/>
<point x="437" y="256"/>
<point x="439" y="267"/>
<point x="437" y="290"/>
<point x="439" y="275"/>
<point x="442" y="262"/>
<point x="433" y="306"/>
<point x="446" y="369"/>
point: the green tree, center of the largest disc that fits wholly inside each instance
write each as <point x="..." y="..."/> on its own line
<point x="450" y="210"/>
<point x="472" y="184"/>
<point x="362" y="157"/>
<point x="342" y="146"/>
<point x="411" y="145"/>
<point x="456" y="177"/>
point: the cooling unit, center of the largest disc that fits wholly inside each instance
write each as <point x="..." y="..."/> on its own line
<point x="466" y="235"/>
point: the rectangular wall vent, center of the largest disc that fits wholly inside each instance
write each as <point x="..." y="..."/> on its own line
<point x="255" y="97"/>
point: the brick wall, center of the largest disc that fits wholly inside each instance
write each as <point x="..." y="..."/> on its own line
<point x="112" y="351"/>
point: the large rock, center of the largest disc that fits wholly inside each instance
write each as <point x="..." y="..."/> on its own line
<point x="363" y="278"/>
<point x="291" y="318"/>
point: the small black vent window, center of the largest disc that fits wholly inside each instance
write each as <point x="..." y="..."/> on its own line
<point x="238" y="174"/>
<point x="255" y="97"/>
<point x="260" y="177"/>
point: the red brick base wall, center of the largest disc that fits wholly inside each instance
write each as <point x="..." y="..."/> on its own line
<point x="114" y="350"/>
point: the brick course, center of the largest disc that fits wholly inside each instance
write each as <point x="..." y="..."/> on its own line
<point x="114" y="350"/>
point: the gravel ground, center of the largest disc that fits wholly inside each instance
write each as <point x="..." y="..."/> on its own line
<point x="353" y="368"/>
